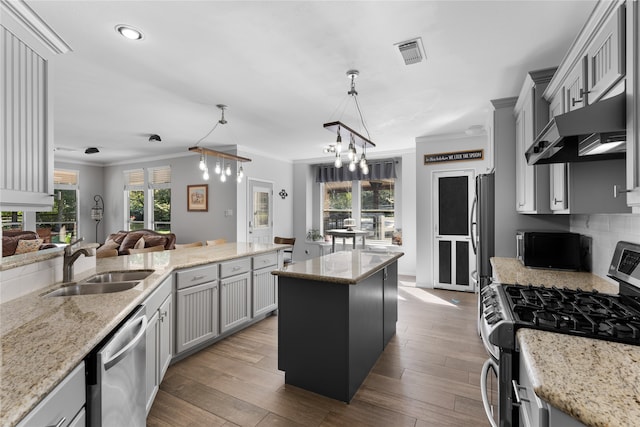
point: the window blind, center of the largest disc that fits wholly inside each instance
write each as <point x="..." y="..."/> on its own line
<point x="134" y="179"/>
<point x="160" y="177"/>
<point x="65" y="177"/>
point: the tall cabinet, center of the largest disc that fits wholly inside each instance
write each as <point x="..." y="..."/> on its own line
<point x="27" y="47"/>
<point x="633" y="105"/>
<point x="532" y="114"/>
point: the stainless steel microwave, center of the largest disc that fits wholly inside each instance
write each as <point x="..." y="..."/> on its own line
<point x="549" y="249"/>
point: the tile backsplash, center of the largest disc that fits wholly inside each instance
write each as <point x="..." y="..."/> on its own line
<point x="605" y="232"/>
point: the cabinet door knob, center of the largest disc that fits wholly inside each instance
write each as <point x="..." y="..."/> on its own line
<point x="617" y="191"/>
<point x="556" y="201"/>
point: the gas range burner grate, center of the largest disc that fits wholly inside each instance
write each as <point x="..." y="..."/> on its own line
<point x="589" y="314"/>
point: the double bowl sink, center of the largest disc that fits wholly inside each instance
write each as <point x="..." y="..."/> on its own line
<point x="112" y="281"/>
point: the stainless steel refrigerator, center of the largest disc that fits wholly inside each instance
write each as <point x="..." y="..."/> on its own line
<point x="483" y="231"/>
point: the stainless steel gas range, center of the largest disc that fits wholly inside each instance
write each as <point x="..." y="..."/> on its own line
<point x="506" y="308"/>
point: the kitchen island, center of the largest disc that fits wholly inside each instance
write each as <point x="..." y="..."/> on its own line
<point x="336" y="314"/>
<point x="42" y="339"/>
<point x="593" y="381"/>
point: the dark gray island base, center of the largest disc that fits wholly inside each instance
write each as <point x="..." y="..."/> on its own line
<point x="336" y="315"/>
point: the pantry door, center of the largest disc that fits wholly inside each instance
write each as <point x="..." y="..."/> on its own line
<point x="453" y="257"/>
<point x="260" y="211"/>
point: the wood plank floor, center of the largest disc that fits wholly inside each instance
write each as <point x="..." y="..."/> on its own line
<point x="429" y="375"/>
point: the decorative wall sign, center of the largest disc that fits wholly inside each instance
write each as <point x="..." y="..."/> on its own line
<point x="454" y="156"/>
<point x="198" y="198"/>
<point x="283" y="193"/>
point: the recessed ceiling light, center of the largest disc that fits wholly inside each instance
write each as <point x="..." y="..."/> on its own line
<point x="91" y="150"/>
<point x="129" y="32"/>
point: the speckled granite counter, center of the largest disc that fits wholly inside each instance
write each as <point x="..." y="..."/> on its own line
<point x="594" y="381"/>
<point x="511" y="271"/>
<point x="346" y="267"/>
<point x="43" y="339"/>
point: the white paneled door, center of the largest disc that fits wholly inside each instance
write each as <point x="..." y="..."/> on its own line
<point x="260" y="211"/>
<point x="453" y="258"/>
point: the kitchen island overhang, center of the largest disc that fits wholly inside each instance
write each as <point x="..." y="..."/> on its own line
<point x="336" y="314"/>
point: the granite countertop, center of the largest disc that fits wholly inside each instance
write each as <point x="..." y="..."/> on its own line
<point x="344" y="267"/>
<point x="42" y="339"/>
<point x="511" y="271"/>
<point x="594" y="381"/>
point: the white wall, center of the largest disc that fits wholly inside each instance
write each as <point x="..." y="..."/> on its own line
<point x="407" y="202"/>
<point x="605" y="231"/>
<point x="280" y="174"/>
<point x="187" y="226"/>
<point x="424" y="177"/>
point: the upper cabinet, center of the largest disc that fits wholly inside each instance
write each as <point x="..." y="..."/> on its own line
<point x="27" y="45"/>
<point x="633" y="106"/>
<point x="532" y="114"/>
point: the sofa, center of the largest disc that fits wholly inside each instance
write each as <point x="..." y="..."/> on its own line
<point x="122" y="241"/>
<point x="31" y="242"/>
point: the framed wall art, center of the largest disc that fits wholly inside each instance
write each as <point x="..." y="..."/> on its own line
<point x="198" y="198"/>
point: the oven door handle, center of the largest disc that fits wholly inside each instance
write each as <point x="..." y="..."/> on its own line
<point x="489" y="364"/>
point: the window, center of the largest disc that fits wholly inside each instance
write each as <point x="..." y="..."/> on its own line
<point x="62" y="220"/>
<point x="369" y="199"/>
<point x="378" y="204"/>
<point x="160" y="194"/>
<point x="12" y="220"/>
<point x="148" y="209"/>
<point x="134" y="199"/>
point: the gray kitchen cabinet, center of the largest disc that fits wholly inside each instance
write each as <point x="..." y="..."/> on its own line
<point x="26" y="151"/>
<point x="633" y="106"/>
<point x="265" y="284"/>
<point x="196" y="315"/>
<point x="531" y="112"/>
<point x="235" y="293"/>
<point x="64" y="406"/>
<point x="158" y="337"/>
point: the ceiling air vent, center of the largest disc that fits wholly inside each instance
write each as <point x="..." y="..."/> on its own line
<point x="411" y="50"/>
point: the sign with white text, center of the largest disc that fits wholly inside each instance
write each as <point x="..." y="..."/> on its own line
<point x="456" y="156"/>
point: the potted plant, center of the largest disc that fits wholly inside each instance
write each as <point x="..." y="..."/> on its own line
<point x="314" y="235"/>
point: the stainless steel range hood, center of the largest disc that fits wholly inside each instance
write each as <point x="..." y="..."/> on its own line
<point x="594" y="132"/>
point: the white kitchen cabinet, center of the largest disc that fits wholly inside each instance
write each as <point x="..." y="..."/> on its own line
<point x="559" y="201"/>
<point x="265" y="284"/>
<point x="196" y="315"/>
<point x="605" y="55"/>
<point x="235" y="293"/>
<point x="574" y="87"/>
<point x="532" y="114"/>
<point x="64" y="406"/>
<point x="633" y="106"/>
<point x="27" y="45"/>
<point x="158" y="337"/>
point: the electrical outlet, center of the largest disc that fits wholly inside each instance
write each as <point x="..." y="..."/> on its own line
<point x="228" y="212"/>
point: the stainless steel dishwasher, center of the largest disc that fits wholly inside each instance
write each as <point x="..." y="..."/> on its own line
<point x="116" y="376"/>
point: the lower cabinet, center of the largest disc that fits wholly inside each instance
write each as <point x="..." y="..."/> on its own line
<point x="265" y="284"/>
<point x="158" y="338"/>
<point x="235" y="301"/>
<point x="197" y="315"/>
<point x="64" y="406"/>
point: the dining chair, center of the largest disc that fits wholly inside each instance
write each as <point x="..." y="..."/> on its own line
<point x="216" y="242"/>
<point x="286" y="241"/>
<point x="188" y="245"/>
<point x="158" y="248"/>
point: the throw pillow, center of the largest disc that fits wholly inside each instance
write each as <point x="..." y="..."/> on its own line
<point x="139" y="244"/>
<point x="150" y="240"/>
<point x="129" y="241"/>
<point x="26" y="246"/>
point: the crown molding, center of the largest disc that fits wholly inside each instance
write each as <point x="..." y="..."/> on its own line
<point x="20" y="11"/>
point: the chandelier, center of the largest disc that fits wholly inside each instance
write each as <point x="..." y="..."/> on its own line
<point x="223" y="160"/>
<point x="354" y="138"/>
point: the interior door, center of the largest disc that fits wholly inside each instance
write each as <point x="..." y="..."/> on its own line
<point x="260" y="212"/>
<point x="453" y="257"/>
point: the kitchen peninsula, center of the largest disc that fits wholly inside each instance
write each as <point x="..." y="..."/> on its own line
<point x="44" y="338"/>
<point x="336" y="314"/>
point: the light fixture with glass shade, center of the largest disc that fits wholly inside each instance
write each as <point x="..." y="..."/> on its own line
<point x="355" y="139"/>
<point x="221" y="168"/>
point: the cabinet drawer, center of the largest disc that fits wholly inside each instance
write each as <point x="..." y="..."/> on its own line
<point x="63" y="402"/>
<point x="152" y="303"/>
<point x="196" y="276"/>
<point x="238" y="266"/>
<point x="266" y="260"/>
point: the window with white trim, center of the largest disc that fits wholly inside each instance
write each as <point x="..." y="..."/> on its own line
<point x="63" y="217"/>
<point x="147" y="195"/>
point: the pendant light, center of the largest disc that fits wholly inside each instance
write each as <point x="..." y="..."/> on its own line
<point x="221" y="168"/>
<point x="355" y="139"/>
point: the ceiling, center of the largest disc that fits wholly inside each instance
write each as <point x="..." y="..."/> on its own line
<point x="281" y="67"/>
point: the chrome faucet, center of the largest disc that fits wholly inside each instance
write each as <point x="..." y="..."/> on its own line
<point x="70" y="256"/>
